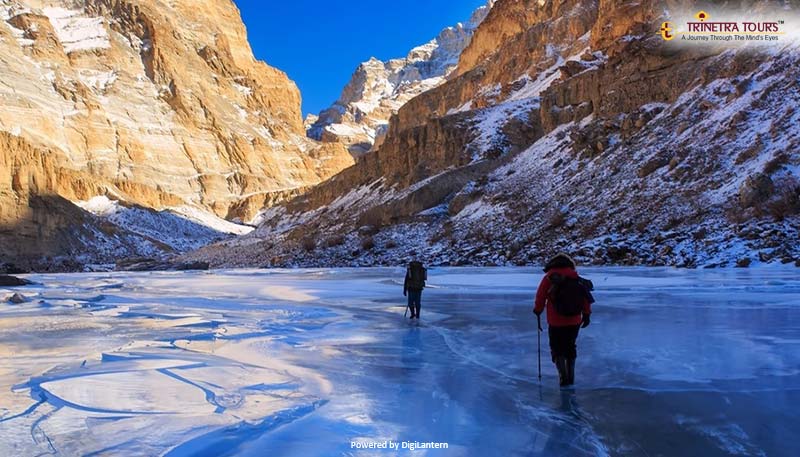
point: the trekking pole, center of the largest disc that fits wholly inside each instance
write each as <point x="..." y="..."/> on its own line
<point x="539" y="345"/>
<point x="405" y="314"/>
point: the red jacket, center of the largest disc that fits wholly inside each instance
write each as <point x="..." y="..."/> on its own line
<point x="543" y="300"/>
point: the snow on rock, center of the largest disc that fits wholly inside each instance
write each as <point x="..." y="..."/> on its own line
<point x="77" y="32"/>
<point x="533" y="87"/>
<point x="9" y="10"/>
<point x="100" y="205"/>
<point x="691" y="166"/>
<point x="98" y="80"/>
<point x="211" y="221"/>
<point x="244" y="90"/>
<point x="344" y="130"/>
<point x="489" y="123"/>
<point x="466" y="106"/>
<point x="477" y="210"/>
<point x="527" y="87"/>
<point x="182" y="228"/>
<point x="20" y="36"/>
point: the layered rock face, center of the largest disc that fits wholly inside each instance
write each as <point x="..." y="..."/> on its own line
<point x="155" y="103"/>
<point x="378" y="89"/>
<point x="568" y="125"/>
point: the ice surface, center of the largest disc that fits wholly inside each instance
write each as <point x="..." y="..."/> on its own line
<point x="302" y="362"/>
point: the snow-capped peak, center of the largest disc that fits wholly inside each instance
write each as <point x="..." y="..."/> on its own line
<point x="378" y="89"/>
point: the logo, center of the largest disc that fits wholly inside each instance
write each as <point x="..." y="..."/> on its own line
<point x="666" y="31"/>
<point x="731" y="28"/>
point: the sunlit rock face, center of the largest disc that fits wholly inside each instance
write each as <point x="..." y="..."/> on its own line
<point x="156" y="103"/>
<point x="378" y="89"/>
<point x="163" y="96"/>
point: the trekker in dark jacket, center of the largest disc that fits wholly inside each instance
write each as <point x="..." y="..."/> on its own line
<point x="567" y="312"/>
<point x="416" y="275"/>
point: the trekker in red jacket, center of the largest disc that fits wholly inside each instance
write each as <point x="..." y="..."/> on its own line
<point x="568" y="300"/>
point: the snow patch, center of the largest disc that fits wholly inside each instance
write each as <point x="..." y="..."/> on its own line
<point x="477" y="210"/>
<point x="98" y="80"/>
<point x="342" y="130"/>
<point x="490" y="121"/>
<point x="244" y="90"/>
<point x="100" y="205"/>
<point x="466" y="106"/>
<point x="182" y="228"/>
<point x="77" y="32"/>
<point x="19" y="34"/>
<point x="533" y="87"/>
<point x="212" y="221"/>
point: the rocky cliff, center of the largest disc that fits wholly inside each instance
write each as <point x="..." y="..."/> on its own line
<point x="378" y="89"/>
<point x="159" y="104"/>
<point x="568" y="125"/>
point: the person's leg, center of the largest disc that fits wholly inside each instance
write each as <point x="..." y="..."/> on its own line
<point x="557" y="351"/>
<point x="563" y="376"/>
<point x="413" y="302"/>
<point x="571" y="352"/>
<point x="419" y="302"/>
<point x="551" y="338"/>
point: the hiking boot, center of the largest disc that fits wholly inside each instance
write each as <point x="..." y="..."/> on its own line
<point x="570" y="372"/>
<point x="561" y="365"/>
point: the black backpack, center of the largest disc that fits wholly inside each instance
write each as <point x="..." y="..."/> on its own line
<point x="570" y="294"/>
<point x="417" y="275"/>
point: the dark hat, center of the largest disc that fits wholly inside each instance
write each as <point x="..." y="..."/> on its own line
<point x="561" y="260"/>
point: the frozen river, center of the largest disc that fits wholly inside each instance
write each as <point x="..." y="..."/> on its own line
<point x="311" y="362"/>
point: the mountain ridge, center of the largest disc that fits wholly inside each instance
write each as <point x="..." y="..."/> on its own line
<point x="569" y="135"/>
<point x="562" y="125"/>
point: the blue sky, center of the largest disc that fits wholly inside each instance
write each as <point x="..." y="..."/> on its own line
<point x="320" y="42"/>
